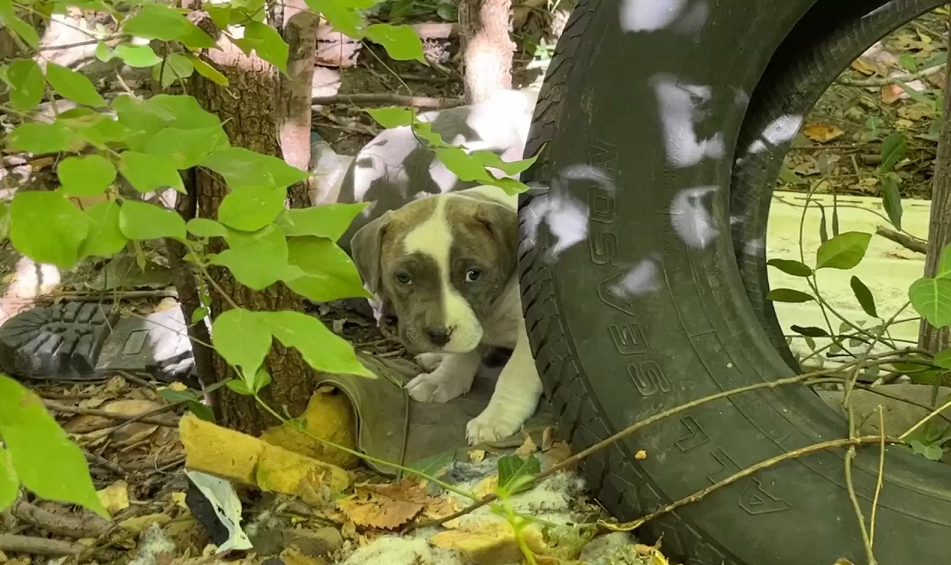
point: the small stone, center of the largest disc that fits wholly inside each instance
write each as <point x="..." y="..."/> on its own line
<point x="322" y="541"/>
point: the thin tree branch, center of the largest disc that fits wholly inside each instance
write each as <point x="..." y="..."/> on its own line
<point x="908" y="242"/>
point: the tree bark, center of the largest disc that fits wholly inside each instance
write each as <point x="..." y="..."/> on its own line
<point x="300" y="33"/>
<point x="939" y="231"/>
<point x="250" y="110"/>
<point x="487" y="48"/>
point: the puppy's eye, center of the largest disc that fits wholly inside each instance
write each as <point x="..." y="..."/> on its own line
<point x="472" y="275"/>
<point x="404" y="278"/>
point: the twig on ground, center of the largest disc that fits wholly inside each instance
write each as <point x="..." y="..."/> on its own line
<point x="75" y="527"/>
<point x="885" y="81"/>
<point x="10" y="543"/>
<point x="135" y="379"/>
<point x="831" y="444"/>
<point x="105" y="463"/>
<point x="385" y="98"/>
<point x="908" y="242"/>
<point x="142" y="417"/>
<point x="57" y="407"/>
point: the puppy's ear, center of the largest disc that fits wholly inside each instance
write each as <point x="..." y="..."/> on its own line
<point x="501" y="221"/>
<point x="366" y="246"/>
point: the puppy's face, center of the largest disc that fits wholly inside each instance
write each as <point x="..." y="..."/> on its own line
<point x="439" y="264"/>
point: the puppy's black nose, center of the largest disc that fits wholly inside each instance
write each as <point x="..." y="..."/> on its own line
<point x="439" y="336"/>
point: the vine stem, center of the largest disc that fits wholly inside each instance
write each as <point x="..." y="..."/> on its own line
<point x="570" y="461"/>
<point x="831" y="444"/>
<point x="881" y="476"/>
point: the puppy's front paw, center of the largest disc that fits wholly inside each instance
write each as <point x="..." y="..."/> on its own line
<point x="438" y="386"/>
<point x="493" y="425"/>
<point x="430" y="361"/>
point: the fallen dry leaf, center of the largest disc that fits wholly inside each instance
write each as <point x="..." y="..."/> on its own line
<point x="387" y="506"/>
<point x="863" y="67"/>
<point x="548" y="438"/>
<point x="115" y="497"/>
<point x="822" y="133"/>
<point x="441" y="507"/>
<point x="640" y="455"/>
<point x="140" y="523"/>
<point x="486" y="486"/>
<point x="891" y="93"/>
<point x="916" y="112"/>
<point x="527" y="448"/>
<point x="476" y="455"/>
<point x="493" y="542"/>
<point x="292" y="556"/>
<point x="349" y="530"/>
<point x="558" y="452"/>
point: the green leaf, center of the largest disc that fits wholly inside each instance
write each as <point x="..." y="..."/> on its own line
<point x="864" y="296"/>
<point x="943" y="359"/>
<point x="85" y="176"/>
<point x="47" y="227"/>
<point x="341" y="18"/>
<point x="393" y="117"/>
<point x="266" y="42"/>
<point x="322" y="349"/>
<point x="259" y="263"/>
<point x="242" y="168"/>
<point x="26" y="32"/>
<point x="72" y="85"/>
<point x="175" y="67"/>
<point x="187" y="147"/>
<point x="137" y="56"/>
<point x="250" y="209"/>
<point x="39" y="138"/>
<point x="490" y="159"/>
<point x="514" y="470"/>
<point x="809" y="331"/>
<point x="207" y="71"/>
<point x="156" y="21"/>
<point x="944" y="264"/>
<point x="932" y="299"/>
<point x="203" y="227"/>
<point x="330" y="273"/>
<point x="26" y="84"/>
<point x="788" y="295"/>
<point x="220" y="14"/>
<point x="930" y="451"/>
<point x="104" y="53"/>
<point x="908" y="63"/>
<point x="330" y="220"/>
<point x="199" y="314"/>
<point x="894" y="149"/>
<point x="105" y="239"/>
<point x="9" y="483"/>
<point x="789" y="177"/>
<point x="790" y="267"/>
<point x="239" y="387"/>
<point x="150" y="172"/>
<point x="823" y="233"/>
<point x="242" y="338"/>
<point x="45" y="461"/>
<point x="260" y="380"/>
<point x="434" y="465"/>
<point x="139" y="221"/>
<point x="401" y="42"/>
<point x="843" y="251"/>
<point x="891" y="200"/>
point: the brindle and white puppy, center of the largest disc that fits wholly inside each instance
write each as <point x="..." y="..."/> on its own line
<point x="445" y="266"/>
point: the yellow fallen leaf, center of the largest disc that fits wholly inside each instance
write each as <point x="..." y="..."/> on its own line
<point x="863" y="67"/>
<point x="385" y="507"/>
<point x="822" y="133"/>
<point x="527" y="448"/>
<point x="477" y="455"/>
<point x="640" y="455"/>
<point x="489" y="543"/>
<point x="178" y="498"/>
<point x="178" y="386"/>
<point x="115" y="497"/>
<point x="293" y="556"/>
<point x="486" y="486"/>
<point x="891" y="93"/>
<point x="138" y="524"/>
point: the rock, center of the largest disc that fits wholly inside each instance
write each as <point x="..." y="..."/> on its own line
<point x="315" y="543"/>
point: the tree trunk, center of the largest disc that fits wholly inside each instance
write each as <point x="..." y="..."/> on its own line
<point x="487" y="48"/>
<point x="939" y="232"/>
<point x="250" y="110"/>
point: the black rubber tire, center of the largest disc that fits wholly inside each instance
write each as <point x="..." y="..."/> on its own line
<point x="634" y="300"/>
